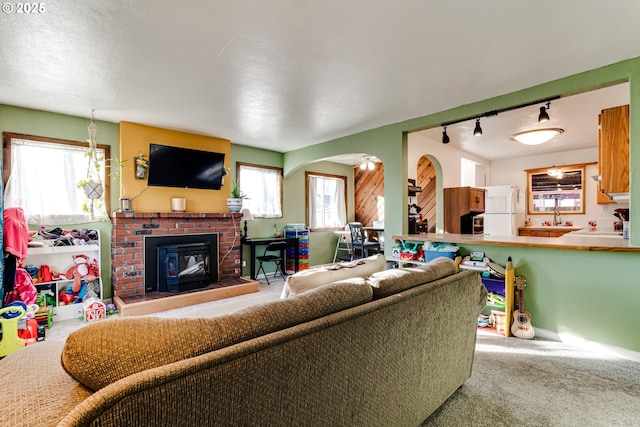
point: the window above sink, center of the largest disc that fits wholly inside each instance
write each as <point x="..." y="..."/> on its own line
<point x="556" y="188"/>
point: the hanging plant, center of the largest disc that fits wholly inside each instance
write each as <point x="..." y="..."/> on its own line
<point x="92" y="184"/>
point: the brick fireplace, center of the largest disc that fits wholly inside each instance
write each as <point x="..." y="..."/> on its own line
<point x="130" y="229"/>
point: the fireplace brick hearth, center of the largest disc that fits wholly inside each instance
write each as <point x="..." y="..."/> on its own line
<point x="130" y="228"/>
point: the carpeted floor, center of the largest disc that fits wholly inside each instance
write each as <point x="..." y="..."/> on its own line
<point x="515" y="382"/>
<point x="537" y="382"/>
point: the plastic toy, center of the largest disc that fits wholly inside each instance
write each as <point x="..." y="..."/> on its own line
<point x="111" y="309"/>
<point x="9" y="317"/>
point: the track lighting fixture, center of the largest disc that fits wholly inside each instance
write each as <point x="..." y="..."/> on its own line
<point x="478" y="130"/>
<point x="445" y="137"/>
<point x="544" y="116"/>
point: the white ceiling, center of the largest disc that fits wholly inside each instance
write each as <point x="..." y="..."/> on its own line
<point x="285" y="74"/>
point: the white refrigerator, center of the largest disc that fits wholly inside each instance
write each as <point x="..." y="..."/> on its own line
<point x="500" y="203"/>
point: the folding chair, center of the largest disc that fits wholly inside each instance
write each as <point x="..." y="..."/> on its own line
<point x="274" y="252"/>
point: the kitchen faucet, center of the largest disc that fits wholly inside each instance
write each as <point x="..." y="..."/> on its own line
<point x="556" y="216"/>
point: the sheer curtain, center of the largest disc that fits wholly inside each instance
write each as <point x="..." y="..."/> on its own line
<point x="43" y="182"/>
<point x="326" y="202"/>
<point x="263" y="188"/>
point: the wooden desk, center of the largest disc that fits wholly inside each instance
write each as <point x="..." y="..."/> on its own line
<point x="379" y="231"/>
<point x="252" y="242"/>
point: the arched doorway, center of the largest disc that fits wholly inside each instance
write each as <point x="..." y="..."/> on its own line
<point x="426" y="178"/>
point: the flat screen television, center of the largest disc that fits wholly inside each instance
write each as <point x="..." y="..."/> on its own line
<point x="185" y="167"/>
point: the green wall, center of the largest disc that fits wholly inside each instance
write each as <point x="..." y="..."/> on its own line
<point x="589" y="295"/>
<point x="322" y="244"/>
<point x="42" y="123"/>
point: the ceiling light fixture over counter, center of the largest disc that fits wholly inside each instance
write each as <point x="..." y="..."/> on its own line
<point x="536" y="136"/>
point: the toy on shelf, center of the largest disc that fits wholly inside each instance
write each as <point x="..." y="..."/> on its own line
<point x="82" y="268"/>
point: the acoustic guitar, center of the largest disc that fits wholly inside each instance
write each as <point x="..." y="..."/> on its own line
<point x="521" y="326"/>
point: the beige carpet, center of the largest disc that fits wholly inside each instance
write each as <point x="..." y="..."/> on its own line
<point x="539" y="382"/>
<point x="209" y="309"/>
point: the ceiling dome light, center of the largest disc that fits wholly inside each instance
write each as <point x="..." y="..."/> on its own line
<point x="536" y="137"/>
<point x="478" y="130"/>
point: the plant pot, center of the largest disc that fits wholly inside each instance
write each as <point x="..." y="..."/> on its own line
<point x="234" y="205"/>
<point x="93" y="190"/>
<point x="277" y="234"/>
<point x="125" y="205"/>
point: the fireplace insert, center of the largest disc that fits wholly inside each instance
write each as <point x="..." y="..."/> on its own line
<point x="183" y="267"/>
<point x="182" y="262"/>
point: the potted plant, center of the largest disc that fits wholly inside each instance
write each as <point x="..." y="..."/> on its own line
<point x="277" y="232"/>
<point x="234" y="203"/>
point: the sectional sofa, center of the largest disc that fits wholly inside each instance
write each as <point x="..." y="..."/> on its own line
<point x="379" y="349"/>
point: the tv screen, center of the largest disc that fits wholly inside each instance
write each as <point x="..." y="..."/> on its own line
<point x="185" y="167"/>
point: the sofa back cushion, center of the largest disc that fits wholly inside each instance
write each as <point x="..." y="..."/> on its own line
<point x="389" y="282"/>
<point x="102" y="353"/>
<point x="304" y="281"/>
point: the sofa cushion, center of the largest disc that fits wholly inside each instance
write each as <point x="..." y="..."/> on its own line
<point x="102" y="353"/>
<point x="304" y="281"/>
<point x="389" y="282"/>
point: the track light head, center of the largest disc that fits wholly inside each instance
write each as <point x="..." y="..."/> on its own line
<point x="478" y="130"/>
<point x="445" y="137"/>
<point x="544" y="116"/>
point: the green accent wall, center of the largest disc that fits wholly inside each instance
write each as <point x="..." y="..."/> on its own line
<point x="52" y="125"/>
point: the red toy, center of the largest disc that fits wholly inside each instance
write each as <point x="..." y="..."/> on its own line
<point x="82" y="269"/>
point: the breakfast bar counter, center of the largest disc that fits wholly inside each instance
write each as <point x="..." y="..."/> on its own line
<point x="568" y="241"/>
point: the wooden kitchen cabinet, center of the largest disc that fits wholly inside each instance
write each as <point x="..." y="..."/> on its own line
<point x="461" y="204"/>
<point x="613" y="152"/>
<point x="545" y="232"/>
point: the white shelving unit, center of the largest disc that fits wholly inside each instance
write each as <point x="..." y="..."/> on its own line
<point x="61" y="258"/>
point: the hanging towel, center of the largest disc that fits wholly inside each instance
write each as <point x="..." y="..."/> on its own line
<point x="16" y="233"/>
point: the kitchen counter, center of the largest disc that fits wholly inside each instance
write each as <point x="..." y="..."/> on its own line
<point x="602" y="243"/>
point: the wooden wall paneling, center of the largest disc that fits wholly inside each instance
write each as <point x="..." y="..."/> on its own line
<point x="368" y="190"/>
<point x="426" y="199"/>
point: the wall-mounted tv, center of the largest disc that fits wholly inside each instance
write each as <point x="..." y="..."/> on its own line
<point x="185" y="167"/>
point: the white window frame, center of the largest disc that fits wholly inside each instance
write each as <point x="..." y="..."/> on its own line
<point x="263" y="187"/>
<point x="60" y="202"/>
<point x="326" y="201"/>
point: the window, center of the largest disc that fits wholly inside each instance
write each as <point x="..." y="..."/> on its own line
<point x="326" y="201"/>
<point x="41" y="177"/>
<point x="556" y="189"/>
<point x="263" y="187"/>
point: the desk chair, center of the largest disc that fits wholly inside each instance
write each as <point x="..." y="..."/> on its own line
<point x="274" y="252"/>
<point x="359" y="243"/>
